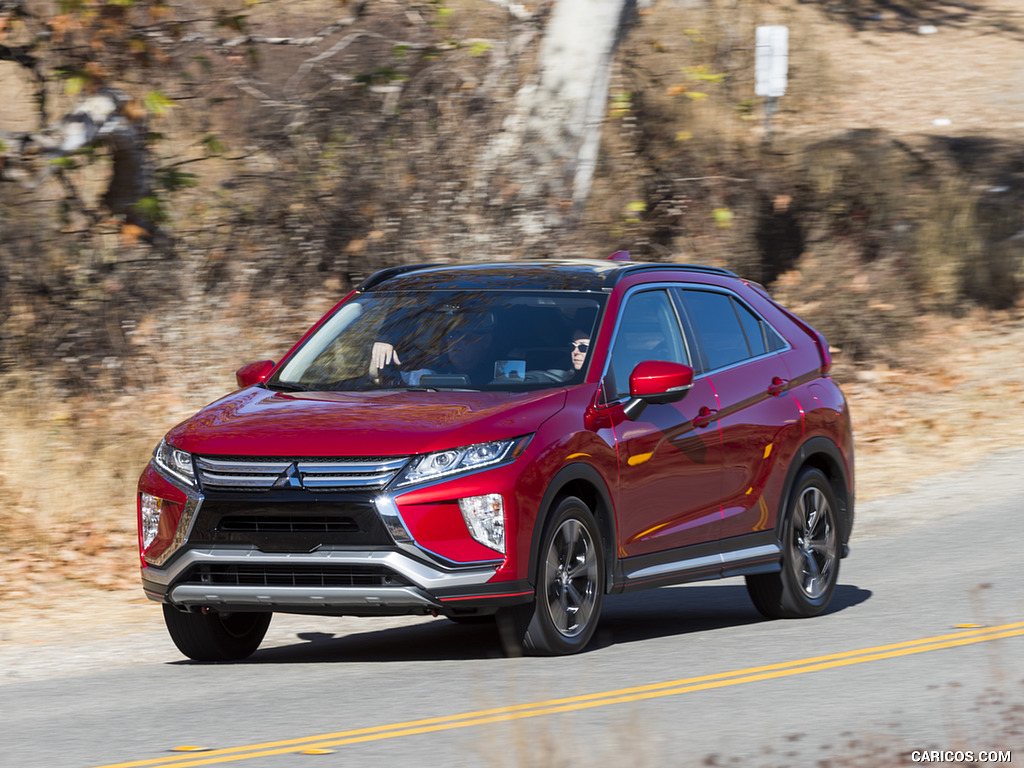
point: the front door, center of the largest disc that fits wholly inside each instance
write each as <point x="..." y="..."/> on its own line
<point x="670" y="458"/>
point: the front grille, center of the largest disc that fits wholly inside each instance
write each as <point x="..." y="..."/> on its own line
<point x="284" y="575"/>
<point x="285" y="524"/>
<point x="320" y="474"/>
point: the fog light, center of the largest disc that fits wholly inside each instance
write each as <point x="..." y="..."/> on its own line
<point x="485" y="519"/>
<point x="149" y="520"/>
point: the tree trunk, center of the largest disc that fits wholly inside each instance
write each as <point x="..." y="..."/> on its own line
<point x="548" y="146"/>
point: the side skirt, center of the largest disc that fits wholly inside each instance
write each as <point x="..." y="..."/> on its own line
<point x="739" y="556"/>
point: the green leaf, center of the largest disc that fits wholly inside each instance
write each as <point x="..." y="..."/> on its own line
<point x="158" y="103"/>
<point x="151" y="208"/>
<point x="213" y="145"/>
<point x="173" y="179"/>
<point x="701" y="74"/>
<point x="74" y="84"/>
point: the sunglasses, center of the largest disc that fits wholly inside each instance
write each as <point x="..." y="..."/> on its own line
<point x="582" y="346"/>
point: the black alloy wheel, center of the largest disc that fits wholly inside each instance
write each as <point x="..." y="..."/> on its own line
<point x="810" y="553"/>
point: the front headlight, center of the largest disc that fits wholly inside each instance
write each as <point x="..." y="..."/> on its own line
<point x="175" y="462"/>
<point x="434" y="466"/>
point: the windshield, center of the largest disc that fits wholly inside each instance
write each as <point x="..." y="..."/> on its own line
<point x="503" y="341"/>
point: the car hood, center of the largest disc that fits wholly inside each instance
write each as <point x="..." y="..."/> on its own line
<point x="259" y="422"/>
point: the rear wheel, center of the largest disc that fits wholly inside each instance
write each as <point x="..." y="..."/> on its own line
<point x="216" y="636"/>
<point x="810" y="554"/>
<point x="570" y="588"/>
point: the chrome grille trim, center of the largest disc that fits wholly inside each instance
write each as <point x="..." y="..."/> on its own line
<point x="314" y="473"/>
<point x="258" y="474"/>
<point x="349" y="474"/>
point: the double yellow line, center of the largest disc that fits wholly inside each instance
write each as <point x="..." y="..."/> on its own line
<point x="586" y="701"/>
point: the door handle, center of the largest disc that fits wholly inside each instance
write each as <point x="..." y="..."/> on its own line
<point x="704" y="416"/>
<point x="778" y="386"/>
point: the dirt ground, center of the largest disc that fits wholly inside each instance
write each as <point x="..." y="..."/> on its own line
<point x="959" y="398"/>
<point x="955" y="70"/>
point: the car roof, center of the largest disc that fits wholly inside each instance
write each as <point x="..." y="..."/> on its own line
<point x="550" y="275"/>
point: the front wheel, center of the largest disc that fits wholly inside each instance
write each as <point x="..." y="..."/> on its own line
<point x="810" y="554"/>
<point x="216" y="636"/>
<point x="570" y="588"/>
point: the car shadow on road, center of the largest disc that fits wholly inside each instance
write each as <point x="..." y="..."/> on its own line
<point x="629" y="618"/>
<point x="691" y="609"/>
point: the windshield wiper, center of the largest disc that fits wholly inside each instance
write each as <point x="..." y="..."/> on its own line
<point x="285" y="386"/>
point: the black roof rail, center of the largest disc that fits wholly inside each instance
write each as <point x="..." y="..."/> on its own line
<point x="630" y="269"/>
<point x="386" y="274"/>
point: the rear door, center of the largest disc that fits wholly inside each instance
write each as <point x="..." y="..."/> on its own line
<point x="744" y="359"/>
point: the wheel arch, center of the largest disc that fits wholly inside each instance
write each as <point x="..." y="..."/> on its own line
<point x="585" y="483"/>
<point x="825" y="456"/>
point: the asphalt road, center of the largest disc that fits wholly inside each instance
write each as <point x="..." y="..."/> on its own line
<point x="681" y="676"/>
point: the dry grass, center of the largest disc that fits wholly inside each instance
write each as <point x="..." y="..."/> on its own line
<point x="69" y="463"/>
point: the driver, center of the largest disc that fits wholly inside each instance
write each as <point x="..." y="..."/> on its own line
<point x="466" y="351"/>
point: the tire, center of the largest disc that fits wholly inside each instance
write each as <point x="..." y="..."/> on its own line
<point x="809" y="538"/>
<point x="216" y="636"/>
<point x="570" y="588"/>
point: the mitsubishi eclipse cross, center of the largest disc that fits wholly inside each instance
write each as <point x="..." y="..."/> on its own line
<point x="510" y="443"/>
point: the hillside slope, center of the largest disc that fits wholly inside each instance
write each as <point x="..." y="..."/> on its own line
<point x="888" y="208"/>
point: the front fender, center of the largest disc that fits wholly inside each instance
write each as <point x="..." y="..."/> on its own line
<point x="584" y="481"/>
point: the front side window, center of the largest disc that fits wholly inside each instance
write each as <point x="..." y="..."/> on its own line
<point x="432" y="340"/>
<point x="648" y="329"/>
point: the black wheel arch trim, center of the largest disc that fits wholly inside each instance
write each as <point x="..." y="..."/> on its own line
<point x="811" y="453"/>
<point x="604" y="514"/>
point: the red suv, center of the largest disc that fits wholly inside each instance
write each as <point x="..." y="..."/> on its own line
<point x="507" y="442"/>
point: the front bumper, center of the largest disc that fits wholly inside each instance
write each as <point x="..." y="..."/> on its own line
<point x="378" y="583"/>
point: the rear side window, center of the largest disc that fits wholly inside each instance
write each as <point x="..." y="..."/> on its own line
<point x="729" y="331"/>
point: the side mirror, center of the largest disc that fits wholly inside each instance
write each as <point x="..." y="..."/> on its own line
<point x="254" y="373"/>
<point x="654" y="382"/>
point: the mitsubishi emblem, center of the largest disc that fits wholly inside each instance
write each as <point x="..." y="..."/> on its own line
<point x="290" y="478"/>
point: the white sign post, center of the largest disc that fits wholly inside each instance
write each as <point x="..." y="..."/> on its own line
<point x="771" y="64"/>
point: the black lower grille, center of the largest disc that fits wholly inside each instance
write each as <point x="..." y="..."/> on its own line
<point x="269" y="575"/>
<point x="286" y="524"/>
<point x="289" y="521"/>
